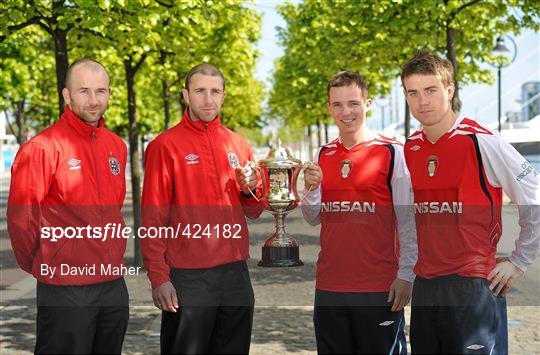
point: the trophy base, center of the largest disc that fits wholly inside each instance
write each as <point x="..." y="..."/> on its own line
<point x="280" y="257"/>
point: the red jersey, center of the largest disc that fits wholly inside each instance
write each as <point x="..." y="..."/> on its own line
<point x="69" y="175"/>
<point x="190" y="184"/>
<point x="359" y="232"/>
<point x="458" y="211"/>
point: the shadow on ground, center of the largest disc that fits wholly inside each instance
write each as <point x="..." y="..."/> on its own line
<point x="277" y="275"/>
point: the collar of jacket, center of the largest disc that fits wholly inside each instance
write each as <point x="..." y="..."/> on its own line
<point x="80" y="126"/>
<point x="199" y="126"/>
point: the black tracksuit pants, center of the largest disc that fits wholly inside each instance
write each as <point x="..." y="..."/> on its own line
<point x="90" y="319"/>
<point x="453" y="315"/>
<point x="215" y="313"/>
<point x="357" y="323"/>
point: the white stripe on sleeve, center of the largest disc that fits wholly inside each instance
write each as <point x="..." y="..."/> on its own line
<point x="506" y="168"/>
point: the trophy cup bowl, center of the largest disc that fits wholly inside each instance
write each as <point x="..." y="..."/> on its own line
<point x="279" y="172"/>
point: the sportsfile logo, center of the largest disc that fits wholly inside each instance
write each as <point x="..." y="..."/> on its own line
<point x="192" y="159"/>
<point x="74" y="164"/>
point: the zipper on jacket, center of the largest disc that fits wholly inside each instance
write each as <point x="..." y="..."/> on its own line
<point x="212" y="149"/>
<point x="93" y="138"/>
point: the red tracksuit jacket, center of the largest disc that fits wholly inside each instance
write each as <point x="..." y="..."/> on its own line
<point x="190" y="185"/>
<point x="69" y="175"/>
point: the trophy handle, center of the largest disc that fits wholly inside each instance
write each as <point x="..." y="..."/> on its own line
<point x="255" y="168"/>
<point x="306" y="192"/>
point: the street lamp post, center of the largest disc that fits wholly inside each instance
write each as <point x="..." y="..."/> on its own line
<point x="499" y="98"/>
<point x="500" y="48"/>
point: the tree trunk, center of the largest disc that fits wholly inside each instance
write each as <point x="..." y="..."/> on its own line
<point x="452" y="57"/>
<point x="60" y="54"/>
<point x="310" y="142"/>
<point x="19" y="121"/>
<point x="319" y="133"/>
<point x="165" y="90"/>
<point x="62" y="64"/>
<point x="183" y="105"/>
<point x="166" y="103"/>
<point x="407" y="120"/>
<point x="143" y="142"/>
<point x="19" y="115"/>
<point x="134" y="155"/>
<point x="326" y="133"/>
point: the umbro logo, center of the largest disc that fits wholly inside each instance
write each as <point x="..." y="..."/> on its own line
<point x="415" y="148"/>
<point x="386" y="323"/>
<point x="192" y="159"/>
<point x="475" y="347"/>
<point x="332" y="152"/>
<point x="74" y="164"/>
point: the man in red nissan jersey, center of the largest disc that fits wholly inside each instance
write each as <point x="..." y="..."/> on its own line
<point x="71" y="175"/>
<point x="361" y="196"/>
<point x="197" y="180"/>
<point x="459" y="170"/>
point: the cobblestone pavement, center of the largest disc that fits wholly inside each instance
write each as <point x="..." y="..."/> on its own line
<point x="284" y="298"/>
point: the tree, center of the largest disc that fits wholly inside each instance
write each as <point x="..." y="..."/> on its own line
<point x="224" y="34"/>
<point x="465" y="30"/>
<point x="324" y="36"/>
<point x="26" y="68"/>
<point x="57" y="18"/>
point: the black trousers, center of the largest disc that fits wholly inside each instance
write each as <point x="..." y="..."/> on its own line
<point x="501" y="342"/>
<point x="90" y="319"/>
<point x="453" y="315"/>
<point x="357" y="323"/>
<point x="215" y="314"/>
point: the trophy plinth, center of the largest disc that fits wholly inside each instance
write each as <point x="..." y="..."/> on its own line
<point x="279" y="172"/>
<point x="280" y="250"/>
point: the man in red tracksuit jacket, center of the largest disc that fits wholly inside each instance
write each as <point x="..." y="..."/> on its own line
<point x="68" y="182"/>
<point x="198" y="182"/>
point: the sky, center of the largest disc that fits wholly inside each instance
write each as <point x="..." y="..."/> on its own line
<point x="479" y="100"/>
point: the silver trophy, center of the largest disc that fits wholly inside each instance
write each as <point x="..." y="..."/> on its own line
<point x="279" y="172"/>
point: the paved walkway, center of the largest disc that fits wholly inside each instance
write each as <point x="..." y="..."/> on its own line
<point x="284" y="298"/>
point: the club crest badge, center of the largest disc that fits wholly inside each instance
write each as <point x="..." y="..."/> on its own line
<point x="114" y="164"/>
<point x="233" y="160"/>
<point x="433" y="163"/>
<point x="346" y="167"/>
